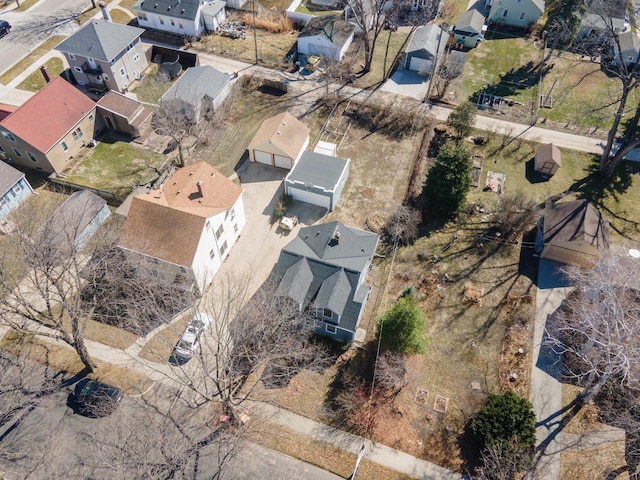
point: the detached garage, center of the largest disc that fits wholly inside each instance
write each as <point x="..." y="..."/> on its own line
<point x="279" y="141"/>
<point x="317" y="179"/>
<point x="426" y="47"/>
<point x="327" y="36"/>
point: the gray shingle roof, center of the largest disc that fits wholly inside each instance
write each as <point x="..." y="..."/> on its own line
<point x="318" y="170"/>
<point x="100" y="40"/>
<point x="186" y="9"/>
<point x="9" y="176"/>
<point x="425" y="41"/>
<point x="471" y="18"/>
<point x="314" y="267"/>
<point x="197" y="83"/>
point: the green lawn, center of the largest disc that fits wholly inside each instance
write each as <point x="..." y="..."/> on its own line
<point x="35" y="81"/>
<point x="150" y="89"/>
<point x="116" y="167"/>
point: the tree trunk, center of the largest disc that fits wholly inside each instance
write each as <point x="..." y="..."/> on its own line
<point x="604" y="159"/>
<point x="80" y="347"/>
<point x="368" y="54"/>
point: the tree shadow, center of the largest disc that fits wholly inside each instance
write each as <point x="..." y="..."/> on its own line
<point x="517" y="79"/>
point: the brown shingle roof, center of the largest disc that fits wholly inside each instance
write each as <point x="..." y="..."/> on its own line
<point x="167" y="222"/>
<point x="49" y="115"/>
<point x="120" y="104"/>
<point x="284" y="131"/>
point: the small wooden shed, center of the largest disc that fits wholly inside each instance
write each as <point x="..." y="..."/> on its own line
<point x="547" y="160"/>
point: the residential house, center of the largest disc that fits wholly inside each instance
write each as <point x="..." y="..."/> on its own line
<point x="198" y="92"/>
<point x="574" y="233"/>
<point x="280" y="141"/>
<point x="14" y="188"/>
<point x="72" y="224"/>
<point x="317" y="179"/>
<point x="49" y="129"/>
<point x="323" y="271"/>
<point x="6" y="110"/>
<point x="185" y="229"/>
<point x="426" y="49"/>
<point x="514" y="13"/>
<point x="105" y="54"/>
<point x="604" y="16"/>
<point x="469" y="29"/>
<point x="547" y="160"/>
<point x="181" y="17"/>
<point x="121" y="113"/>
<point x="627" y="50"/>
<point x="327" y="36"/>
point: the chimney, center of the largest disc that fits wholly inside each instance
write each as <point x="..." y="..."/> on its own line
<point x="45" y="74"/>
<point x="105" y="14"/>
<point x="337" y="237"/>
<point x="199" y="185"/>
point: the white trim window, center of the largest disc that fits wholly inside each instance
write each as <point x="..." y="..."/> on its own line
<point x="223" y="248"/>
<point x="522" y="16"/>
<point x="3" y="202"/>
<point x="136" y="57"/>
<point x="505" y="13"/>
<point x="142" y="16"/>
<point x="330" y="328"/>
<point x="212" y="254"/>
<point x="17" y="188"/>
<point x="72" y="56"/>
<point x="64" y="146"/>
<point x="122" y="72"/>
<point x="77" y="69"/>
<point x="77" y="134"/>
<point x="8" y="136"/>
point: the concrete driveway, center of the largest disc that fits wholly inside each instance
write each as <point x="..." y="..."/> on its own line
<point x="257" y="250"/>
<point x="407" y="83"/>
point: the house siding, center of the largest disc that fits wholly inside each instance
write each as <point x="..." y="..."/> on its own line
<point x="93" y="226"/>
<point x="11" y="199"/>
<point x="153" y="21"/>
<point x="514" y="10"/>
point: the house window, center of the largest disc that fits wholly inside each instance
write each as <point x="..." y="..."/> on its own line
<point x="180" y="24"/>
<point x="208" y="225"/>
<point x="64" y="146"/>
<point x="161" y="20"/>
<point x="8" y="136"/>
<point x="327" y="313"/>
<point x="136" y="57"/>
<point x="91" y="118"/>
<point x="233" y="213"/>
<point x="505" y="13"/>
<point x="72" y="56"/>
<point x="173" y="24"/>
<point x="219" y="232"/>
<point x="17" y="188"/>
<point x="77" y="69"/>
<point x="142" y="16"/>
<point x="331" y="328"/>
<point x="522" y="15"/>
<point x="3" y="202"/>
<point x="223" y="248"/>
<point x="122" y="72"/>
<point x="235" y="228"/>
<point x="212" y="254"/>
<point x="32" y="156"/>
<point x="77" y="134"/>
<point x="17" y="152"/>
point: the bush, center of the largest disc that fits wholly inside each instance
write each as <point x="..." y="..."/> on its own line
<point x="461" y="120"/>
<point x="505" y="419"/>
<point x="403" y="326"/>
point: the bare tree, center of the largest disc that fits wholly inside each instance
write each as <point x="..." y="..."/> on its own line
<point x="402" y="226"/>
<point x="41" y="277"/>
<point x="451" y="69"/>
<point x="502" y="462"/>
<point x="598" y="332"/>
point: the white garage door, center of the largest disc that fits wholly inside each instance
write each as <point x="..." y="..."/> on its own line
<point x="263" y="157"/>
<point x="310" y="197"/>
<point x="419" y="65"/>
<point x="282" y="162"/>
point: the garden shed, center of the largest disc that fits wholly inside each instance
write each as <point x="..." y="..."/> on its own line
<point x="469" y="28"/>
<point x="327" y="36"/>
<point x="547" y="160"/>
<point x="279" y="141"/>
<point x="317" y="179"/>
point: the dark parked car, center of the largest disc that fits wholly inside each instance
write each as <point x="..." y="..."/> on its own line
<point x="5" y="27"/>
<point x="96" y="399"/>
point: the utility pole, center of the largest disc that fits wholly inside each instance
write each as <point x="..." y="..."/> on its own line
<point x="255" y="34"/>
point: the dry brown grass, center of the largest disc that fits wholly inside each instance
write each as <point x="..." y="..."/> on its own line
<point x="108" y="335"/>
<point x="159" y="347"/>
<point x="323" y="455"/>
<point x="64" y="359"/>
<point x="594" y="463"/>
<point x="274" y="23"/>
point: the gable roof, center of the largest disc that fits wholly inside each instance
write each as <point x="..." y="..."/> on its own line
<point x="9" y="176"/>
<point x="214" y="7"/>
<point x="185" y="9"/>
<point x="629" y="41"/>
<point x="470" y="20"/>
<point x="58" y="107"/>
<point x="197" y="83"/>
<point x="574" y="232"/>
<point x="331" y="27"/>
<point x="427" y="40"/>
<point x="616" y="9"/>
<point x="540" y="4"/>
<point x="316" y="267"/>
<point x="167" y="222"/>
<point x="121" y="104"/>
<point x="549" y="152"/>
<point x="100" y="39"/>
<point x="284" y="131"/>
<point x="318" y="170"/>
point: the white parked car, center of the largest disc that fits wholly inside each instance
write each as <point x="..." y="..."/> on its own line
<point x="190" y="340"/>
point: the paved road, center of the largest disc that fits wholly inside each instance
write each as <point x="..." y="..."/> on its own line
<point x="45" y="19"/>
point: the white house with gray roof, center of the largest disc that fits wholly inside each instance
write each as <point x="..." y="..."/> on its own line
<point x="323" y="271"/>
<point x="104" y="53"/>
<point x="514" y="13"/>
<point x="181" y="17"/>
<point x="14" y="188"/>
<point x="199" y="91"/>
<point x="317" y="179"/>
<point x="327" y="36"/>
<point x="426" y="49"/>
